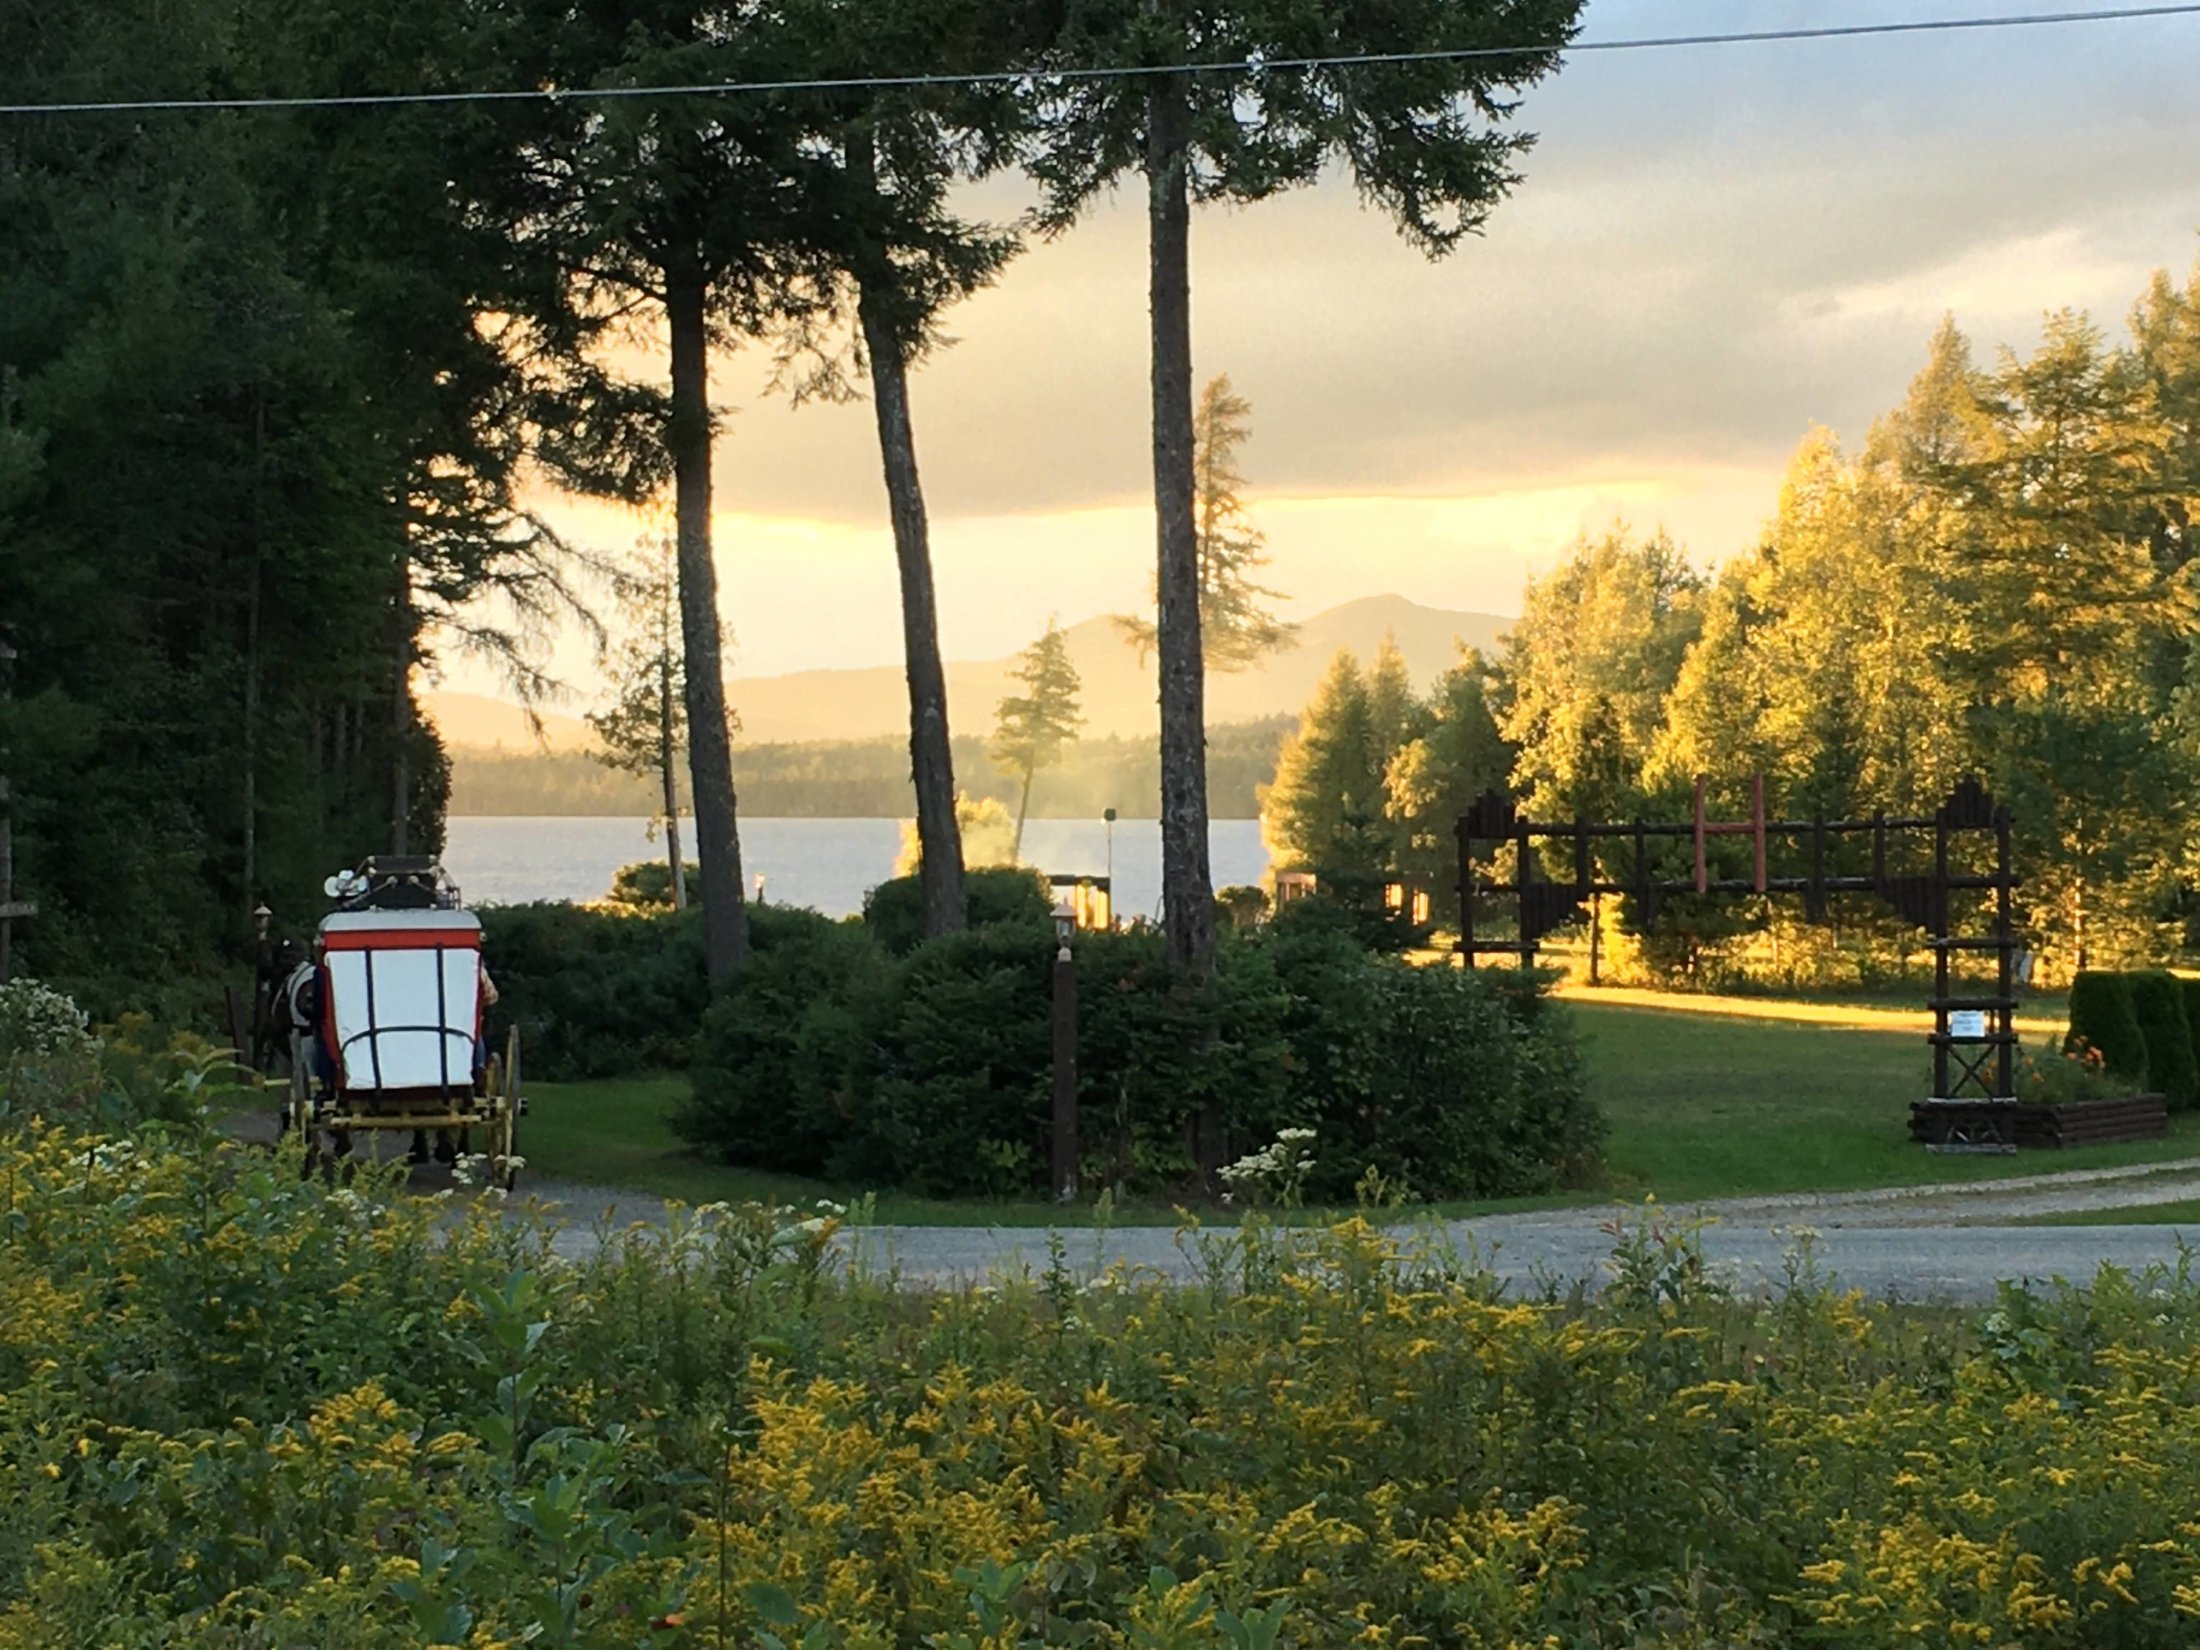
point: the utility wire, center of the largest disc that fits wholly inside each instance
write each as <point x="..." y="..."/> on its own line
<point x="1254" y="64"/>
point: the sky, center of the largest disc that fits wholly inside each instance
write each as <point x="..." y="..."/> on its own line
<point x="1712" y="250"/>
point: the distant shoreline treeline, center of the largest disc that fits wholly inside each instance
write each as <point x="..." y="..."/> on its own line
<point x="869" y="779"/>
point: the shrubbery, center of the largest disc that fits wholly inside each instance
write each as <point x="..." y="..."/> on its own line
<point x="933" y="1071"/>
<point x="894" y="910"/>
<point x="860" y="1051"/>
<point x="597" y="991"/>
<point x="2159" y="1005"/>
<point x="244" y="1409"/>
<point x="2141" y="1024"/>
<point x="2102" y="1017"/>
<point x="55" y="1066"/>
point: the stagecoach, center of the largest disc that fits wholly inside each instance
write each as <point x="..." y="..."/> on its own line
<point x="387" y="1023"/>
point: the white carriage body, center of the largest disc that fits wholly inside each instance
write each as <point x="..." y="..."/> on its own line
<point x="404" y="998"/>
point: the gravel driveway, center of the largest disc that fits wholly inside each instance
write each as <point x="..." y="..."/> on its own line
<point x="1945" y="1242"/>
<point x="1942" y="1242"/>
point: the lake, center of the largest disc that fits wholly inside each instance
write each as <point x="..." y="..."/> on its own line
<point x="826" y="864"/>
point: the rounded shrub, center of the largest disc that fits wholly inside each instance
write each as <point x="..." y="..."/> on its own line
<point x="950" y="1097"/>
<point x="2102" y="1017"/>
<point x="777" y="1051"/>
<point x="2158" y="1003"/>
<point x="894" y="910"/>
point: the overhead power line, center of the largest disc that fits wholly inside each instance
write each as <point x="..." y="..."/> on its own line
<point x="1250" y="65"/>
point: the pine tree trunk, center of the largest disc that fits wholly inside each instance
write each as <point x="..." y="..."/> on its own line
<point x="401" y="716"/>
<point x="252" y="653"/>
<point x="1187" y="883"/>
<point x="710" y="749"/>
<point x="665" y="772"/>
<point x="1023" y="812"/>
<point x="931" y="760"/>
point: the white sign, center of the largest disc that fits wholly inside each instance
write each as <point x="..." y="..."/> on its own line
<point x="1967" y="1024"/>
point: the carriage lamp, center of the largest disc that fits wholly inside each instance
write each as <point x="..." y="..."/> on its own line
<point x="1065" y="923"/>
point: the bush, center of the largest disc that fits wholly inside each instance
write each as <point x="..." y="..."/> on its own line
<point x="600" y="991"/>
<point x="933" y="1072"/>
<point x="777" y="1051"/>
<point x="249" y="1409"/>
<point x="2102" y="1017"/>
<point x="1353" y="902"/>
<point x="593" y="991"/>
<point x="55" y="1067"/>
<point x="647" y="884"/>
<point x="2159" y="1005"/>
<point x="992" y="895"/>
<point x="2189" y="991"/>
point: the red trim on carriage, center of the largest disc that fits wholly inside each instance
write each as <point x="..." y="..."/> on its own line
<point x="401" y="939"/>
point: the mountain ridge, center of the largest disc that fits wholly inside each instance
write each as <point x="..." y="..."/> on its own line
<point x="1119" y="690"/>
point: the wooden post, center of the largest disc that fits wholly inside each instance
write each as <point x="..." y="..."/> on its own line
<point x="1703" y="872"/>
<point x="1757" y="821"/>
<point x="10" y="906"/>
<point x="1938" y="910"/>
<point x="2005" y="946"/>
<point x="1064" y="1177"/>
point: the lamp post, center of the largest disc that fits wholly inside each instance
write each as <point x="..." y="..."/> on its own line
<point x="1063" y="1158"/>
<point x="1108" y="815"/>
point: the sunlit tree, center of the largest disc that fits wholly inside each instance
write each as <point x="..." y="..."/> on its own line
<point x="1032" y="728"/>
<point x="1236" y="624"/>
<point x="644" y="727"/>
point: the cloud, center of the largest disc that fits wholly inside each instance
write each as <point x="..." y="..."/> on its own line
<point x="1711" y="252"/>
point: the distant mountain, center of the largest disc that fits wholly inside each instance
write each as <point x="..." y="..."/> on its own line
<point x="1120" y="690"/>
<point x="470" y="719"/>
<point x="1119" y="697"/>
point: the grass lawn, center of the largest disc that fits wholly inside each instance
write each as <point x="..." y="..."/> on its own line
<point x="1706" y="1096"/>
<point x="2184" y="1213"/>
<point x="1706" y="1102"/>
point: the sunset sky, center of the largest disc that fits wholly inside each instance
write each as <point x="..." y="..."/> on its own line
<point x="1713" y="249"/>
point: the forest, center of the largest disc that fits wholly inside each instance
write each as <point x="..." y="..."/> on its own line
<point x="869" y="778"/>
<point x="302" y="303"/>
<point x="1998" y="580"/>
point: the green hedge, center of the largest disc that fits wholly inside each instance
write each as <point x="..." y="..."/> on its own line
<point x="933" y="1072"/>
<point x="2102" y="1017"/>
<point x="598" y="992"/>
<point x="2189" y="991"/>
<point x="2172" y="1071"/>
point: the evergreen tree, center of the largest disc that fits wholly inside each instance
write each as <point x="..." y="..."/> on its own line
<point x="1235" y="625"/>
<point x="1031" y="728"/>
<point x="644" y="727"/>
<point x="878" y="167"/>
<point x="1434" y="777"/>
<point x="1325" y="810"/>
<point x="678" y="208"/>
<point x="1426" y="140"/>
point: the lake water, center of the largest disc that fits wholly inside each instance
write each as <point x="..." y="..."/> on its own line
<point x="826" y="864"/>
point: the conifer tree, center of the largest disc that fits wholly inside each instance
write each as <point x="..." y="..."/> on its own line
<point x="1426" y="140"/>
<point x="1032" y="728"/>
<point x="1324" y="812"/>
<point x="877" y="168"/>
<point x="1236" y="626"/>
<point x="644" y="727"/>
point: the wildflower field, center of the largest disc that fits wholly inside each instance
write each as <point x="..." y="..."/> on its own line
<point x="242" y="1409"/>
